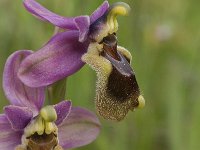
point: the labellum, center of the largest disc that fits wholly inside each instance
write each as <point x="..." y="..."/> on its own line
<point x="117" y="90"/>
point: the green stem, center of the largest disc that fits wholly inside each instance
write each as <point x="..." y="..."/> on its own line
<point x="57" y="91"/>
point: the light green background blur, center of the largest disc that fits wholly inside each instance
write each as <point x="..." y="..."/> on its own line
<point x="164" y="39"/>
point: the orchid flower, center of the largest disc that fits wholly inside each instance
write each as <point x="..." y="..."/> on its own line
<point x="26" y="124"/>
<point x="90" y="39"/>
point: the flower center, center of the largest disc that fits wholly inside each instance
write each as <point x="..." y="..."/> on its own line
<point x="42" y="132"/>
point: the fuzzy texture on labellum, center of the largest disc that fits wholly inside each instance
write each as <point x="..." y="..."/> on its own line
<point x="117" y="90"/>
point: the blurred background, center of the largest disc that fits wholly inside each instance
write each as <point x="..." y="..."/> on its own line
<point x="164" y="39"/>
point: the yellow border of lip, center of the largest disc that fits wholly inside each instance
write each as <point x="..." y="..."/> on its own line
<point x="141" y="101"/>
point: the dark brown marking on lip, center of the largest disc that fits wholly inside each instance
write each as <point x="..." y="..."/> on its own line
<point x="42" y="142"/>
<point x="122" y="82"/>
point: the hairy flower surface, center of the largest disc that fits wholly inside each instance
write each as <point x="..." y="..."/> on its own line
<point x="28" y="125"/>
<point x="93" y="40"/>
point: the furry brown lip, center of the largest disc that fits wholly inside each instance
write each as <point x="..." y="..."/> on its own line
<point x="122" y="81"/>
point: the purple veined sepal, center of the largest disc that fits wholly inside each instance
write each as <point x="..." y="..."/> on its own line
<point x="19" y="117"/>
<point x="59" y="58"/>
<point x="17" y="92"/>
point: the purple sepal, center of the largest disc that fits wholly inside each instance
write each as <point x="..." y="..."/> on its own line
<point x="19" y="117"/>
<point x="16" y="92"/>
<point x="59" y="58"/>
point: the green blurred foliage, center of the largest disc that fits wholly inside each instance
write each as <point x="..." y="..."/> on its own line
<point x="163" y="37"/>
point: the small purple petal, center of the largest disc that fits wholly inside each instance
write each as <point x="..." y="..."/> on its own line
<point x="80" y="128"/>
<point x="44" y="14"/>
<point x="16" y="92"/>
<point x="9" y="138"/>
<point x="59" y="58"/>
<point x="19" y="117"/>
<point x="83" y="24"/>
<point x="62" y="109"/>
<point x="99" y="12"/>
